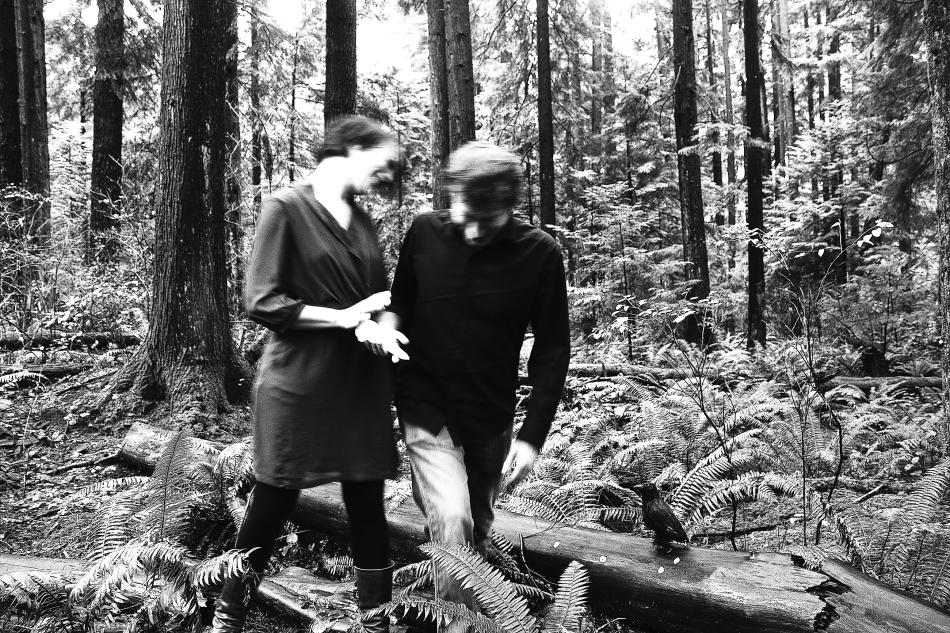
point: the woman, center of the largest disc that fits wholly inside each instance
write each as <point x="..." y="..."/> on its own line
<point x="322" y="399"/>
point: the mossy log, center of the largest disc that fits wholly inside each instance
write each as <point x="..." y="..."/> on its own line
<point x="692" y="590"/>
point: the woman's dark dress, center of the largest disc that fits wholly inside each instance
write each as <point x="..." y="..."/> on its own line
<point x="321" y="399"/>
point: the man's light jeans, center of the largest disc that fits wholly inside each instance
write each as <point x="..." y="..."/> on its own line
<point x="455" y="487"/>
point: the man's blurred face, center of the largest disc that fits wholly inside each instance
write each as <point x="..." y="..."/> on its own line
<point x="478" y="226"/>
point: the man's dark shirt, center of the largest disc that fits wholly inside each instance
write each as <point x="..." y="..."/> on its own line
<point x="465" y="310"/>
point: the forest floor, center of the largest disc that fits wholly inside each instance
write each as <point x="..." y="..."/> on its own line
<point x="51" y="453"/>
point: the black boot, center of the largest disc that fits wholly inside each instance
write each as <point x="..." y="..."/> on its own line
<point x="374" y="587"/>
<point x="231" y="611"/>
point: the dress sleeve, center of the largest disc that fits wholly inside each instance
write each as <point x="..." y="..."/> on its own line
<point x="268" y="299"/>
<point x="551" y="354"/>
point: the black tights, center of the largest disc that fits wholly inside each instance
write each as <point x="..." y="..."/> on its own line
<point x="270" y="507"/>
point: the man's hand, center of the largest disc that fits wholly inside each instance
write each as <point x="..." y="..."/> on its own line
<point x="382" y="340"/>
<point x="520" y="461"/>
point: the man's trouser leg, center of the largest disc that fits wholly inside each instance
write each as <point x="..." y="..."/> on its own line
<point x="457" y="506"/>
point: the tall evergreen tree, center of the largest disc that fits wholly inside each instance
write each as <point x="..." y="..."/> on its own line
<point x="107" y="113"/>
<point x="459" y="72"/>
<point x="690" y="186"/>
<point x="11" y="172"/>
<point x="729" y="110"/>
<point x="937" y="20"/>
<point x="233" y="150"/>
<point x="438" y="100"/>
<point x="188" y="357"/>
<point x="340" y="96"/>
<point x="545" y="118"/>
<point x="756" y="161"/>
<point x="34" y="129"/>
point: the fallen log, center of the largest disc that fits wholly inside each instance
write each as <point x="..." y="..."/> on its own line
<point x="692" y="590"/>
<point x="67" y="340"/>
<point x="645" y="372"/>
<point x="49" y="371"/>
<point x="327" y="606"/>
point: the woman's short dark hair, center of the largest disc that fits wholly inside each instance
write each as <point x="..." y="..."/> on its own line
<point x="350" y="131"/>
<point x="487" y="176"/>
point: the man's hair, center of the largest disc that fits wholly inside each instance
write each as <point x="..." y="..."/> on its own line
<point x="487" y="176"/>
<point x="349" y="131"/>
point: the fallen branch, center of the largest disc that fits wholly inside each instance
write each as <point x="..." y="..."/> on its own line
<point x="68" y="340"/>
<point x="92" y="461"/>
<point x="51" y="371"/>
<point x="683" y="591"/>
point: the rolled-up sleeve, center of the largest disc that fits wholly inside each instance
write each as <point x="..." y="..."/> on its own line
<point x="551" y="354"/>
<point x="267" y="298"/>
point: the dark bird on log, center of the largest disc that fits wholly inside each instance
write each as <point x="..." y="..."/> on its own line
<point x="658" y="516"/>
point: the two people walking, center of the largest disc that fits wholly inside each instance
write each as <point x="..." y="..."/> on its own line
<point x="444" y="344"/>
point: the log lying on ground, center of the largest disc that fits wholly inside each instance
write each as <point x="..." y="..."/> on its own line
<point x="68" y="340"/>
<point x="50" y="371"/>
<point x="599" y="370"/>
<point x="691" y="590"/>
<point x="293" y="591"/>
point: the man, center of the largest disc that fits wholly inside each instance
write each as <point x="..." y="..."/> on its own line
<point x="468" y="283"/>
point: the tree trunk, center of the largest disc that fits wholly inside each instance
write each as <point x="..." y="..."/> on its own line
<point x="254" y="97"/>
<point x="713" y="111"/>
<point x="545" y="119"/>
<point x="596" y="67"/>
<point x="11" y="171"/>
<point x="662" y="43"/>
<point x="438" y="100"/>
<point x="937" y="20"/>
<point x="292" y="125"/>
<point x="340" y="97"/>
<point x="690" y="186"/>
<point x="232" y="150"/>
<point x="106" y="174"/>
<point x="460" y="76"/>
<point x="756" y="157"/>
<point x="188" y="357"/>
<point x="730" y="115"/>
<point x="782" y="79"/>
<point x="34" y="130"/>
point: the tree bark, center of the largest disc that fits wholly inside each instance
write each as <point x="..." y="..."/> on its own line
<point x="254" y="98"/>
<point x="340" y="97"/>
<point x="105" y="193"/>
<point x="34" y="129"/>
<point x="730" y="114"/>
<point x="545" y="119"/>
<point x="232" y="150"/>
<point x="188" y="357"/>
<point x="756" y="158"/>
<point x="690" y="186"/>
<point x="438" y="100"/>
<point x="11" y="171"/>
<point x="937" y="21"/>
<point x="596" y="67"/>
<point x="713" y="111"/>
<point x="460" y="75"/>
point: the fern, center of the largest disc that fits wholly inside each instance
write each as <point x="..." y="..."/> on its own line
<point x="167" y="504"/>
<point x="494" y="594"/>
<point x="443" y="612"/>
<point x="570" y="602"/>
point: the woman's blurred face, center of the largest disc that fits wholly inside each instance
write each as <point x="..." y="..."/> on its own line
<point x="372" y="166"/>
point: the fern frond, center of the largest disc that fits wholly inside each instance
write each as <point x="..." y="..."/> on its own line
<point x="37" y="593"/>
<point x="220" y="569"/>
<point x="18" y="375"/>
<point x="570" y="601"/>
<point x="112" y="528"/>
<point x="494" y="594"/>
<point x="166" y="502"/>
<point x="116" y="484"/>
<point x="443" y="612"/>
<point x="924" y="501"/>
<point x="337" y="566"/>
